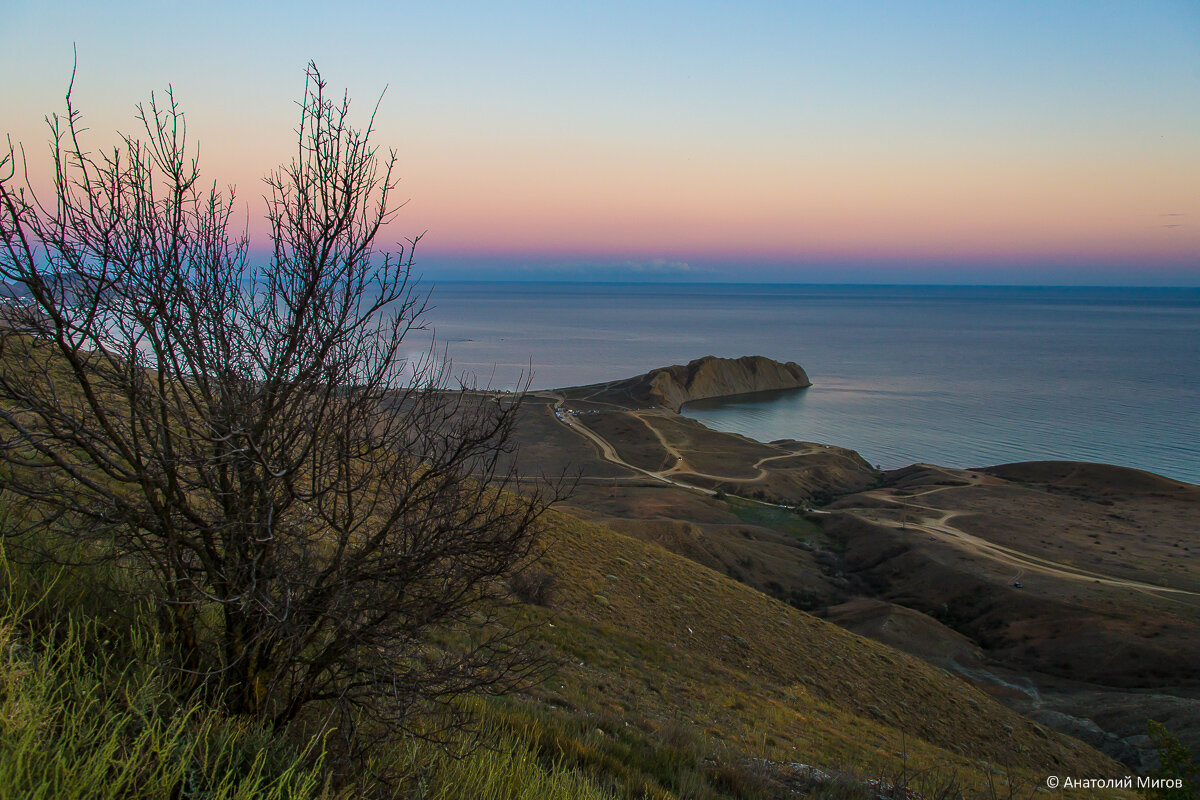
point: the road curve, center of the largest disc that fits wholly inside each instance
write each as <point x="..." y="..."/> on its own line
<point x="944" y="531"/>
<point x="609" y="453"/>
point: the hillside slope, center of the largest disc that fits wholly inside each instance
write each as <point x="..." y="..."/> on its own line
<point x="652" y="641"/>
<point x="651" y="633"/>
<point x="1077" y="581"/>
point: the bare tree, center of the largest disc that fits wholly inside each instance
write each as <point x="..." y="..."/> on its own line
<point x="311" y="509"/>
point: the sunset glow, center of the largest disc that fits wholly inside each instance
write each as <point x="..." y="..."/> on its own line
<point x="1058" y="140"/>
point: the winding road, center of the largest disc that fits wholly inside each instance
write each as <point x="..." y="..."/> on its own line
<point x="680" y="466"/>
<point x="940" y="527"/>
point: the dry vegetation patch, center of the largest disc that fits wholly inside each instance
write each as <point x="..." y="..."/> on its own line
<point x="748" y="665"/>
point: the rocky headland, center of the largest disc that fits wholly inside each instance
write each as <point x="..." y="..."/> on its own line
<point x="702" y="379"/>
<point x="1066" y="590"/>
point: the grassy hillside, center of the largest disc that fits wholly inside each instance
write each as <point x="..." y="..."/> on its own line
<point x="673" y="681"/>
<point x="651" y="633"/>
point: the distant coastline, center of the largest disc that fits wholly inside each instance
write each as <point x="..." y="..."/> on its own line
<point x="959" y="376"/>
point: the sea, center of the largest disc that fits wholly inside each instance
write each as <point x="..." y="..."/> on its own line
<point x="957" y="376"/>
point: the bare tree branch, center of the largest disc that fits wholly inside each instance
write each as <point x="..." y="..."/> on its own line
<point x="319" y="513"/>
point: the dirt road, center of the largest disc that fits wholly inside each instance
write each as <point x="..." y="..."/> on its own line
<point x="940" y="527"/>
<point x="680" y="466"/>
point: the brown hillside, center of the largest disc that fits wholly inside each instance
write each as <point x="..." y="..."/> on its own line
<point x="1094" y="481"/>
<point x="724" y="655"/>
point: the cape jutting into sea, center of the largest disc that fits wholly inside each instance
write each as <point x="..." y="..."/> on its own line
<point x="957" y="376"/>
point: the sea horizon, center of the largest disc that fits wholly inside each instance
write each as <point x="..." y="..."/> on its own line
<point x="420" y="280"/>
<point x="959" y="375"/>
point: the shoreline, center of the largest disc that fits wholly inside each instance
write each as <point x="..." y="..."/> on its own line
<point x="619" y="394"/>
<point x="961" y="376"/>
<point x="1041" y="565"/>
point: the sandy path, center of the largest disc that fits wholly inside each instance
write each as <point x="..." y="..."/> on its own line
<point x="941" y="528"/>
<point x="681" y="465"/>
<point x="609" y="453"/>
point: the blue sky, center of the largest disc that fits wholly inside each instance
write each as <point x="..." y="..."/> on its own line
<point x="972" y="142"/>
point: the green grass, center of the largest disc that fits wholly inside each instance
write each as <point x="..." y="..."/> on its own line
<point x="503" y="765"/>
<point x="78" y="719"/>
<point x="772" y="516"/>
<point x="85" y="713"/>
<point x="632" y="756"/>
<point x="77" y="722"/>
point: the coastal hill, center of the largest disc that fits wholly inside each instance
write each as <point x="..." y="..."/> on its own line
<point x="1077" y="581"/>
<point x="1098" y="482"/>
<point x="1068" y="591"/>
<point x="702" y="379"/>
<point x="631" y="430"/>
<point x="653" y="636"/>
<point x="665" y="678"/>
<point x="673" y="674"/>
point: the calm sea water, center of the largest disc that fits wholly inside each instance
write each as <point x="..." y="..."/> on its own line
<point x="959" y="376"/>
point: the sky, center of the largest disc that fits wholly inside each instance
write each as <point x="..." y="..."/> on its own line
<point x="828" y="142"/>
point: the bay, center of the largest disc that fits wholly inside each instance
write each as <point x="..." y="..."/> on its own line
<point x="958" y="376"/>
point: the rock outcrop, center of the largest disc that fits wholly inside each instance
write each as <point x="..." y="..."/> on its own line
<point x="704" y="378"/>
<point x="721" y="377"/>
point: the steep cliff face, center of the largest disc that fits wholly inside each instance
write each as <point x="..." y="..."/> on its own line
<point x="720" y="377"/>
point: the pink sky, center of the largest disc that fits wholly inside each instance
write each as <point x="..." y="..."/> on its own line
<point x="909" y="135"/>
